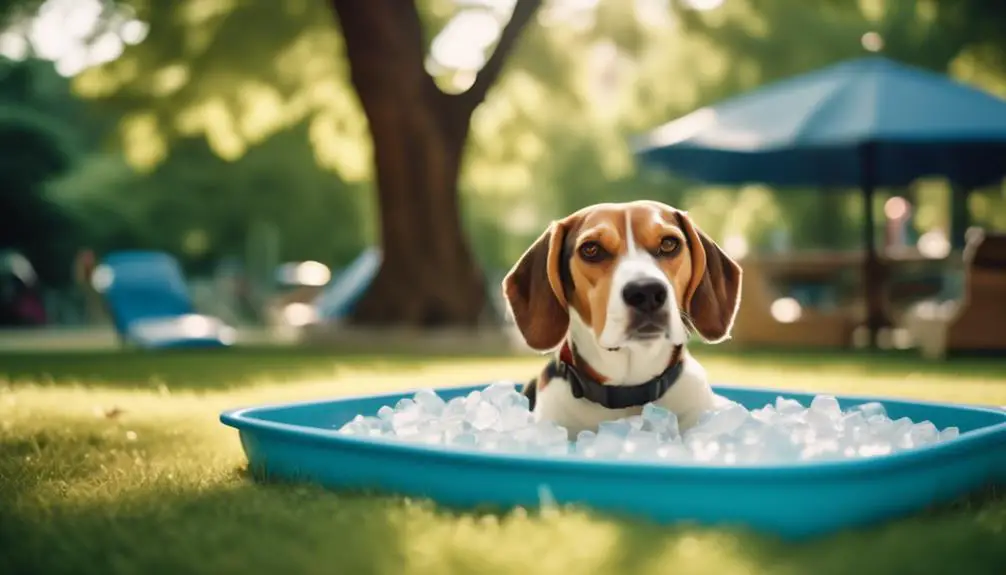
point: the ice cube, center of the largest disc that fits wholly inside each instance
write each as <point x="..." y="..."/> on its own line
<point x="870" y="409"/>
<point x="551" y="434"/>
<point x="673" y="452"/>
<point x="728" y="454"/>
<point x="949" y="434"/>
<point x="513" y="417"/>
<point x="473" y="400"/>
<point x="513" y="399"/>
<point x="483" y="416"/>
<point x="901" y="426"/>
<point x="903" y="441"/>
<point x="660" y="420"/>
<point x="823" y="422"/>
<point x="428" y="434"/>
<point x="854" y="426"/>
<point x="879" y="424"/>
<point x="924" y="433"/>
<point x="847" y="449"/>
<point x="854" y="420"/>
<point x="498" y="393"/>
<point x="563" y="448"/>
<point x="386" y="412"/>
<point x="488" y="440"/>
<point x="376" y="427"/>
<point x="722" y="422"/>
<point x="585" y="437"/>
<point x="825" y="448"/>
<point x="751" y="432"/>
<point x="406" y="420"/>
<point x="429" y="401"/>
<point x="456" y="407"/>
<point x="585" y="448"/>
<point x="355" y="426"/>
<point x="642" y="444"/>
<point x="826" y="405"/>
<point x="618" y="428"/>
<point x="635" y="421"/>
<point x="404" y="403"/>
<point x="454" y="428"/>
<point x="787" y="406"/>
<point x="607" y="444"/>
<point x="654" y="413"/>
<point x="509" y="444"/>
<point x="875" y="448"/>
<point x="466" y="440"/>
<point x="777" y="445"/>
<point x="703" y="449"/>
<point x="766" y="414"/>
<point x="406" y="431"/>
<point x="558" y="449"/>
<point x="802" y="433"/>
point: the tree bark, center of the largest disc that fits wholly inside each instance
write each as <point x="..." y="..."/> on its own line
<point x="428" y="276"/>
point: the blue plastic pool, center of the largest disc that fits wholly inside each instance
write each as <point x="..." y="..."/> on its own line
<point x="298" y="442"/>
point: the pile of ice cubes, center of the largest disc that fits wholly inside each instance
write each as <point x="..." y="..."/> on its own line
<point x="497" y="419"/>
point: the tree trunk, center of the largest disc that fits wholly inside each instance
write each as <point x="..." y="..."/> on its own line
<point x="428" y="276"/>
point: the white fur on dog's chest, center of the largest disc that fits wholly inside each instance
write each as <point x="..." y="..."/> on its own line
<point x="687" y="398"/>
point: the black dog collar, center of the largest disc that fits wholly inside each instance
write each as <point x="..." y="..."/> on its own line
<point x="615" y="396"/>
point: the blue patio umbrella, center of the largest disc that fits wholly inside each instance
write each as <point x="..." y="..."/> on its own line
<point x="866" y="122"/>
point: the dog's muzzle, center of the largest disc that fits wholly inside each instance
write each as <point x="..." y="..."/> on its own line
<point x="647" y="303"/>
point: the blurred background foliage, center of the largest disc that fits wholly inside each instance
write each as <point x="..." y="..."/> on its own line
<point x="183" y="125"/>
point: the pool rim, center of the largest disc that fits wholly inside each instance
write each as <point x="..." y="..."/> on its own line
<point x="244" y="420"/>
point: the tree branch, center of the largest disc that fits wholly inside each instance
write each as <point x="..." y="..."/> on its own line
<point x="523" y="11"/>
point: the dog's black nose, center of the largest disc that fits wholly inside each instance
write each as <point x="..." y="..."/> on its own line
<point x="646" y="296"/>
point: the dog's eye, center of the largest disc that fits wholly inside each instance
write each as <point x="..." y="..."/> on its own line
<point x="669" y="246"/>
<point x="591" y="251"/>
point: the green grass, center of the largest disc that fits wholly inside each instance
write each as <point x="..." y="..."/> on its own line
<point x="115" y="463"/>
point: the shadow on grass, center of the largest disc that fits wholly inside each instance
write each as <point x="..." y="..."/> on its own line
<point x="966" y="536"/>
<point x="97" y="497"/>
<point x="237" y="527"/>
<point x="234" y="368"/>
<point x="54" y="455"/>
<point x="219" y="369"/>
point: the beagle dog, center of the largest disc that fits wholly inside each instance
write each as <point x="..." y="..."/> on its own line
<point x="615" y="291"/>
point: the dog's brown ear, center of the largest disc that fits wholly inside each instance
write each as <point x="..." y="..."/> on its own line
<point x="534" y="291"/>
<point x="713" y="293"/>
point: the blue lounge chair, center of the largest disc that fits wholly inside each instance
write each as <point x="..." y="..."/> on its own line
<point x="340" y="297"/>
<point x="150" y="306"/>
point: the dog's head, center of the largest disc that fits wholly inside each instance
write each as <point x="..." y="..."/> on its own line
<point x="635" y="274"/>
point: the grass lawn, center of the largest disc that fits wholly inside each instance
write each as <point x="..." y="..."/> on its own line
<point x="116" y="463"/>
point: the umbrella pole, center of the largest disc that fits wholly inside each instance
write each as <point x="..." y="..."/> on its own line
<point x="871" y="264"/>
<point x="959" y="216"/>
<point x="871" y="267"/>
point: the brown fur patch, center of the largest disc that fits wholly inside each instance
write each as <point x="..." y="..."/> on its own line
<point x="535" y="292"/>
<point x="713" y="294"/>
<point x="592" y="280"/>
